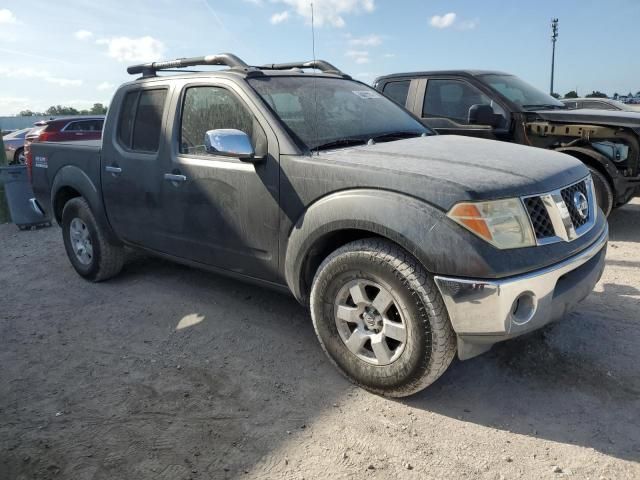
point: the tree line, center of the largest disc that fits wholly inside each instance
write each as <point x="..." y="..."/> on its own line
<point x="595" y="94"/>
<point x="97" y="109"/>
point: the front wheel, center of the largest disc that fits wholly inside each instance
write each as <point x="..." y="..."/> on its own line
<point x="380" y="319"/>
<point x="91" y="253"/>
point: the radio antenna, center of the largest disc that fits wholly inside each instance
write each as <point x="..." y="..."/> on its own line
<point x="315" y="92"/>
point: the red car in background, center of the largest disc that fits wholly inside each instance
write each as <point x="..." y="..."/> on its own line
<point x="62" y="130"/>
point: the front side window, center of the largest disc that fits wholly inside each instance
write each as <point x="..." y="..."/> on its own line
<point x="211" y="108"/>
<point x="397" y="91"/>
<point x="453" y="99"/>
<point x="596" y="105"/>
<point x="321" y="112"/>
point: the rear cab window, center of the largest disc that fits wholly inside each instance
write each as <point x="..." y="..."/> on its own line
<point x="140" y="122"/>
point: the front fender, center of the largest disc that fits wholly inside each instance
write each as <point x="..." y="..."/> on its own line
<point x="596" y="158"/>
<point x="402" y="219"/>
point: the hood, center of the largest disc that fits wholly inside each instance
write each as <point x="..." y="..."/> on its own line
<point x="455" y="168"/>
<point x="617" y="118"/>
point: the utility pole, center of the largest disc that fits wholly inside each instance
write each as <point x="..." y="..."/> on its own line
<point x="554" y="36"/>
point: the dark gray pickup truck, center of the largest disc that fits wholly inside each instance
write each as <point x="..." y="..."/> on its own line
<point x="408" y="246"/>
<point x="500" y="106"/>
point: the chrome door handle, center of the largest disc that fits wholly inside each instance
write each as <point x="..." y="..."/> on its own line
<point x="172" y="177"/>
<point x="111" y="169"/>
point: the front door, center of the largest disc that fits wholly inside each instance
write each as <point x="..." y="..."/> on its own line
<point x="219" y="210"/>
<point x="446" y="103"/>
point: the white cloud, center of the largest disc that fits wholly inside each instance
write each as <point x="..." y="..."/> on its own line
<point x="359" y="56"/>
<point x="366" y="41"/>
<point x="7" y="16"/>
<point x="105" y="86"/>
<point x="125" y="49"/>
<point x="451" y="20"/>
<point x="389" y="55"/>
<point x="443" y="21"/>
<point x="12" y="105"/>
<point x="277" y="18"/>
<point x="22" y="73"/>
<point x="328" y="11"/>
<point x="83" y="34"/>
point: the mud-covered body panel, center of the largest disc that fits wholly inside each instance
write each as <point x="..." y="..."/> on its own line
<point x="400" y="190"/>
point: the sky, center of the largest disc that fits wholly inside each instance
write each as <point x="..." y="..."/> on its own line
<point x="74" y="52"/>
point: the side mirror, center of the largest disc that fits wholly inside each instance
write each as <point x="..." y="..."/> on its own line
<point x="229" y="142"/>
<point x="483" y="114"/>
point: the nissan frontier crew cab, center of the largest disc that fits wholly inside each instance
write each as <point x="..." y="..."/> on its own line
<point x="407" y="246"/>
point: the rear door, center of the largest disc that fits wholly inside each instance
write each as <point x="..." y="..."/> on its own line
<point x="131" y="168"/>
<point x="443" y="104"/>
<point x="221" y="211"/>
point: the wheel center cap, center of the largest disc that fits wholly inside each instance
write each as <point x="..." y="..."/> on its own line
<point x="371" y="319"/>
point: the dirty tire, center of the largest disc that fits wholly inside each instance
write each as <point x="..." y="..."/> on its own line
<point x="18" y="157"/>
<point x="107" y="258"/>
<point x="603" y="191"/>
<point x="430" y="341"/>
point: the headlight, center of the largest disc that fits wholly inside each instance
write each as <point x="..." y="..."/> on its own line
<point x="502" y="223"/>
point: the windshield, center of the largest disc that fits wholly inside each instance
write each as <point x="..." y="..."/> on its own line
<point x="17" y="134"/>
<point x="346" y="112"/>
<point x="521" y="93"/>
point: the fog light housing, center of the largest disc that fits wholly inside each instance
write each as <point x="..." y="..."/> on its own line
<point x="523" y="308"/>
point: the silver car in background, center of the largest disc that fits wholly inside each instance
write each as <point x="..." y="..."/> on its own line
<point x="14" y="146"/>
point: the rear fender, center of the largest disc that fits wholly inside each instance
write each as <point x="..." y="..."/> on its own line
<point x="76" y="179"/>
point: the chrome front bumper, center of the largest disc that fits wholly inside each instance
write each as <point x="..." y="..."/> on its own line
<point x="483" y="312"/>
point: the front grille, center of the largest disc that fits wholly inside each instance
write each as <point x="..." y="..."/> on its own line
<point x="567" y="196"/>
<point x="540" y="219"/>
<point x="555" y="216"/>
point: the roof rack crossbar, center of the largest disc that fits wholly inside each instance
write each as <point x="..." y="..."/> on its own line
<point x="228" y="59"/>
<point x="321" y="65"/>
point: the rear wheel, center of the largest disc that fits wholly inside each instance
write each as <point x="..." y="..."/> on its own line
<point x="380" y="319"/>
<point x="603" y="191"/>
<point x="92" y="255"/>
<point x="18" y="157"/>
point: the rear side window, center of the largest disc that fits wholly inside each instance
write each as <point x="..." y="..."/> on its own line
<point x="397" y="91"/>
<point x="141" y="120"/>
<point x="85" y="126"/>
<point x="127" y="114"/>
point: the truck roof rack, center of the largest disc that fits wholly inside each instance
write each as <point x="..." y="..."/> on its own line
<point x="228" y="59"/>
<point x="231" y="61"/>
<point x="321" y="65"/>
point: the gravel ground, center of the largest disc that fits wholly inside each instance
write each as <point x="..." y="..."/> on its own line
<point x="171" y="373"/>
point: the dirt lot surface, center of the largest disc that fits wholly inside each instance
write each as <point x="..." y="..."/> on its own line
<point x="171" y="373"/>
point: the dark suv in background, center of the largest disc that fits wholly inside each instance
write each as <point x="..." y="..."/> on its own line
<point x="501" y="106"/>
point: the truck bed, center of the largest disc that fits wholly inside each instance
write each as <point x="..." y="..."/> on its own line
<point x="50" y="157"/>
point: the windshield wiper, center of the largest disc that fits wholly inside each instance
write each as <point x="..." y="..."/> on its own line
<point x="391" y="136"/>
<point x="340" y="142"/>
